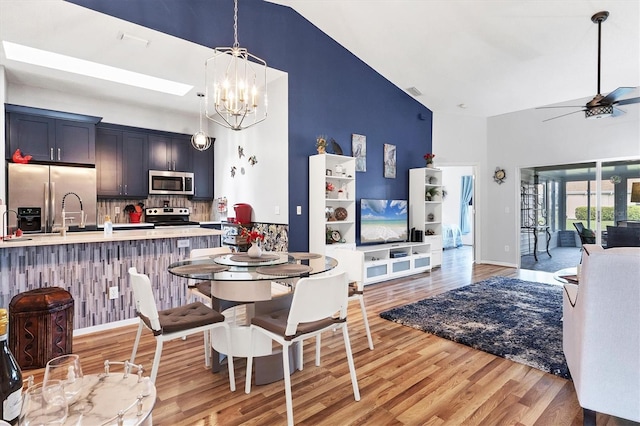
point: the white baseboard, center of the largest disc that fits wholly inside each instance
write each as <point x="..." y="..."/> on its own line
<point x="492" y="262"/>
<point x="108" y="326"/>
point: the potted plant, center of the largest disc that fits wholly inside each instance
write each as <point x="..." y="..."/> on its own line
<point x="429" y="159"/>
<point x="431" y="193"/>
<point x="321" y="144"/>
<point x="253" y="237"/>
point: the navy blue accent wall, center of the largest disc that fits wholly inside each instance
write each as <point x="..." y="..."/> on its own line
<point x="331" y="92"/>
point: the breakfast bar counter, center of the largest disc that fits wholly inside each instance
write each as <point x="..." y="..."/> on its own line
<point x="93" y="267"/>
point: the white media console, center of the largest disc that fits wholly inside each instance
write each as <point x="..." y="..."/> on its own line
<point x="388" y="261"/>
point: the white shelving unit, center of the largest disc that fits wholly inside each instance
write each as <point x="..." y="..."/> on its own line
<point x="425" y="211"/>
<point x="340" y="171"/>
<point x="388" y="261"/>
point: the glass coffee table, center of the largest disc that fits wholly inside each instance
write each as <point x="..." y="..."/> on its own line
<point x="567" y="275"/>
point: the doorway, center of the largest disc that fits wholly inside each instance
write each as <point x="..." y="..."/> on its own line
<point x="458" y="221"/>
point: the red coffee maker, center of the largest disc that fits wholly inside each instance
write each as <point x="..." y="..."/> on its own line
<point x="243" y="213"/>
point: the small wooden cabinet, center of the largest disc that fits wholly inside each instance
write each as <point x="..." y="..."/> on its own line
<point x="202" y="162"/>
<point x="170" y="153"/>
<point x="50" y="139"/>
<point x="121" y="163"/>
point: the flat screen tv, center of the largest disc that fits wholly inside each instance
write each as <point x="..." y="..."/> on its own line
<point x="383" y="221"/>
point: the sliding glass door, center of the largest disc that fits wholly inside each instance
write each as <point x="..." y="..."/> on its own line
<point x="580" y="200"/>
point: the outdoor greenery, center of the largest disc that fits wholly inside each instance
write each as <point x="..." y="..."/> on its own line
<point x="633" y="213"/>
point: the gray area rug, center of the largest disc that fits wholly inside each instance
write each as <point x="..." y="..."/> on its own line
<point x="514" y="319"/>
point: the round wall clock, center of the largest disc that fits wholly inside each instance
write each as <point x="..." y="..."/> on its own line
<point x="499" y="175"/>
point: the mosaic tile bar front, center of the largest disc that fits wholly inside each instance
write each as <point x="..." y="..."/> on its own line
<point x="88" y="270"/>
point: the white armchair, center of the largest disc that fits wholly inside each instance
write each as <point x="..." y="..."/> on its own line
<point x="601" y="332"/>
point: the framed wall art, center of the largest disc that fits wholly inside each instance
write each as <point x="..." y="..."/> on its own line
<point x="359" y="151"/>
<point x="389" y="161"/>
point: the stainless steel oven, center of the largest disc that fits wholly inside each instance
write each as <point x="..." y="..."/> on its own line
<point x="170" y="217"/>
<point x="163" y="182"/>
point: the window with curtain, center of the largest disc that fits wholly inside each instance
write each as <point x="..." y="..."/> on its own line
<point x="466" y="194"/>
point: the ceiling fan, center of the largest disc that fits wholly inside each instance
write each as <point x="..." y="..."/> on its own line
<point x="601" y="106"/>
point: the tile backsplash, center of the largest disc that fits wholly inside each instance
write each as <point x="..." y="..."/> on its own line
<point x="200" y="210"/>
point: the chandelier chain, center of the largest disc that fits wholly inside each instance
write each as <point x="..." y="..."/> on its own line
<point x="235" y="24"/>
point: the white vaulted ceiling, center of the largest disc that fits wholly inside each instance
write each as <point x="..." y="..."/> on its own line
<point x="493" y="56"/>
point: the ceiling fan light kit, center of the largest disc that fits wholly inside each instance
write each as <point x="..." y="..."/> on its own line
<point x="602" y="106"/>
<point x="599" y="112"/>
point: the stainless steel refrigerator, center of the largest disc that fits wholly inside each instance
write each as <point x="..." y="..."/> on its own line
<point x="41" y="189"/>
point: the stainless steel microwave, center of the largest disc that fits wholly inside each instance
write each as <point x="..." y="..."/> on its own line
<point x="162" y="182"/>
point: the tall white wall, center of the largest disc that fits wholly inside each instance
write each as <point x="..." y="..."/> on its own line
<point x="264" y="185"/>
<point x="462" y="142"/>
<point x="517" y="140"/>
<point x="521" y="139"/>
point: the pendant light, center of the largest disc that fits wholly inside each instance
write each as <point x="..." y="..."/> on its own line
<point x="234" y="80"/>
<point x="200" y="140"/>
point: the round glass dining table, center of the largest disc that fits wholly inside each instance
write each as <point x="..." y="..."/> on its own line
<point x="257" y="284"/>
<point x="242" y="267"/>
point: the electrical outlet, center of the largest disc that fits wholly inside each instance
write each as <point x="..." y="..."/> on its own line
<point x="183" y="243"/>
<point x="506" y="248"/>
<point x="117" y="209"/>
<point x="113" y="292"/>
<point x="298" y="210"/>
<point x="277" y="210"/>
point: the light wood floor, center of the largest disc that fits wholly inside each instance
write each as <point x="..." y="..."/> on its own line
<point x="410" y="378"/>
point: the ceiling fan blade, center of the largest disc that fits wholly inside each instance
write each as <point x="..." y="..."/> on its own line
<point x="611" y="97"/>
<point x="628" y="101"/>
<point x="561" y="106"/>
<point x="563" y="115"/>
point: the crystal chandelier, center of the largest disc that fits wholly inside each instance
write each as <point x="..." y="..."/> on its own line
<point x="200" y="140"/>
<point x="234" y="79"/>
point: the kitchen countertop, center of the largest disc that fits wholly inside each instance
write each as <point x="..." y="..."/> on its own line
<point x="29" y="240"/>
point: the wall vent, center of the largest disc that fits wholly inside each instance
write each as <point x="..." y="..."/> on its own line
<point x="413" y="91"/>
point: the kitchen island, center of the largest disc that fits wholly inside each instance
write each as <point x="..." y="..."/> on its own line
<point x="88" y="264"/>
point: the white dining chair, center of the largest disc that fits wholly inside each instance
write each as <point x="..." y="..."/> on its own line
<point x="352" y="262"/>
<point x="173" y="323"/>
<point x="319" y="304"/>
<point x="202" y="289"/>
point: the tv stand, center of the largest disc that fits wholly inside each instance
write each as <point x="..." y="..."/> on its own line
<point x="394" y="260"/>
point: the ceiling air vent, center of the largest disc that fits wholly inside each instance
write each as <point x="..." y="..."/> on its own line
<point x="413" y="91"/>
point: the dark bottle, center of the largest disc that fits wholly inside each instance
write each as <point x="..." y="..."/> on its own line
<point x="10" y="377"/>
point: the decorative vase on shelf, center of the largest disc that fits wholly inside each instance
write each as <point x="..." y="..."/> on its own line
<point x="254" y="250"/>
<point x="430" y="166"/>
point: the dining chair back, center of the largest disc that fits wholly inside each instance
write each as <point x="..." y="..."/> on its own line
<point x="173" y="323"/>
<point x="319" y="304"/>
<point x="202" y="289"/>
<point x="352" y="262"/>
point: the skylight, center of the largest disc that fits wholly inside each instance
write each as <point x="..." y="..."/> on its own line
<point x="43" y="58"/>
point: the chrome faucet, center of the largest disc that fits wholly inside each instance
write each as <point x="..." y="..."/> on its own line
<point x="64" y="215"/>
<point x="5" y="222"/>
